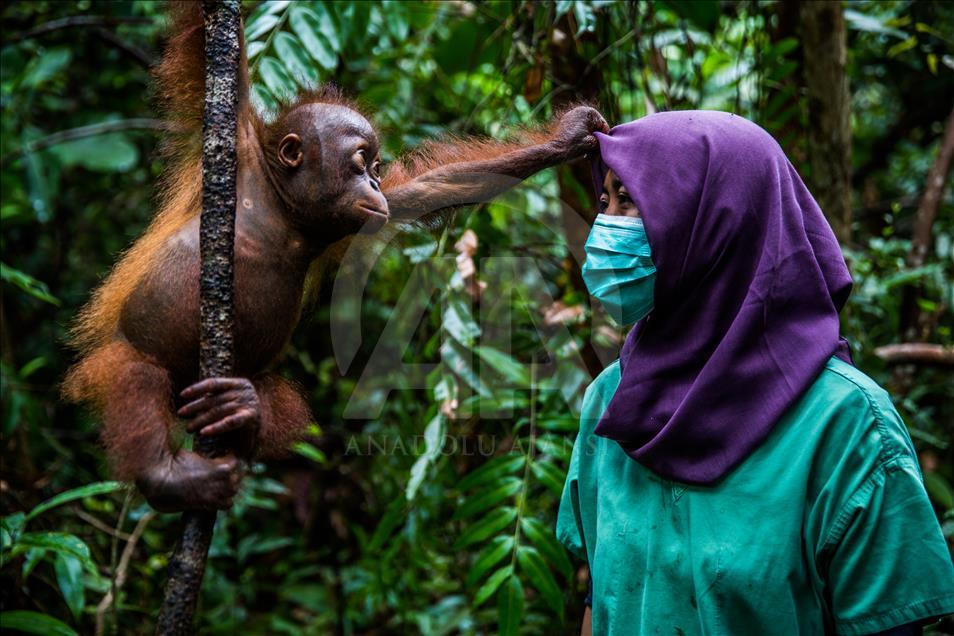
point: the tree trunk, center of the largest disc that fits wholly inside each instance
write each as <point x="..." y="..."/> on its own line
<point x="914" y="326"/>
<point x="217" y="246"/>
<point x="825" y="52"/>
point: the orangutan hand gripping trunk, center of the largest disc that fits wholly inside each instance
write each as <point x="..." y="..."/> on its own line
<point x="305" y="181"/>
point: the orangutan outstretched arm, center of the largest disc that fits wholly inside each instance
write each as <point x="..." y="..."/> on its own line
<point x="448" y="174"/>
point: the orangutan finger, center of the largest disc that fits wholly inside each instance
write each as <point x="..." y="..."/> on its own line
<point x="231" y="423"/>
<point x="207" y="402"/>
<point x="213" y="385"/>
<point x="213" y="415"/>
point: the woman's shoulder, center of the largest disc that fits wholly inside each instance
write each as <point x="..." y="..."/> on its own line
<point x="597" y="395"/>
<point x="841" y="379"/>
<point x="599" y="392"/>
<point x="607" y="380"/>
<point x="856" y="421"/>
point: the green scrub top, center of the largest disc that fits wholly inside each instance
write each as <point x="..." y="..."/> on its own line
<point x="825" y="528"/>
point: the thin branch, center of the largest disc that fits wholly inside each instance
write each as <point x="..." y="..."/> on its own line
<point x="933" y="194"/>
<point x="629" y="35"/>
<point x="133" y="51"/>
<point x="120" y="575"/>
<point x="77" y="21"/>
<point x="97" y="523"/>
<point x="916" y="352"/>
<point x="136" y="123"/>
<point x="913" y="323"/>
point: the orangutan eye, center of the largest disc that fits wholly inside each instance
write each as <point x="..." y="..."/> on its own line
<point x="375" y="169"/>
<point x="359" y="161"/>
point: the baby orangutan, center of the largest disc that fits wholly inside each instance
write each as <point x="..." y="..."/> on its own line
<point x="305" y="181"/>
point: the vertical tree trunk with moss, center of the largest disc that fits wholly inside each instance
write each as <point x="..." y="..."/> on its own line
<point x="217" y="244"/>
<point x="824" y="47"/>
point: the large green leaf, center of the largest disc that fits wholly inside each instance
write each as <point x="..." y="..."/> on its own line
<point x="34" y="623"/>
<point x="354" y="23"/>
<point x="557" y="422"/>
<point x="90" y="490"/>
<point x="31" y="559"/>
<point x="308" y="27"/>
<point x="500" y="491"/>
<point x="310" y="452"/>
<point x="263" y="100"/>
<point x="461" y="365"/>
<point x="10" y="528"/>
<point x="46" y="65"/>
<point x="276" y="78"/>
<point x="59" y="542"/>
<point x="69" y="577"/>
<point x="28" y="284"/>
<point x="554" y="446"/>
<point x="397" y="20"/>
<point x="258" y="27"/>
<point x="495" y="551"/>
<point x="539" y="574"/>
<point x="433" y="442"/>
<point x="505" y="365"/>
<point x="549" y="475"/>
<point x="268" y="7"/>
<point x="490" y="525"/>
<point x="493" y="582"/>
<point x="110" y="152"/>
<point x="492" y="470"/>
<point x="864" y="22"/>
<point x="292" y="54"/>
<point x="254" y="48"/>
<point x="327" y="25"/>
<point x="546" y="542"/>
<point x="510" y="607"/>
<point x="459" y="322"/>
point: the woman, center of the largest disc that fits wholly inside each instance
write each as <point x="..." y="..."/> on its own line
<point x="734" y="473"/>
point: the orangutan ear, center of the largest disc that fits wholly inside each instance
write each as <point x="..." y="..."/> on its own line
<point x="289" y="151"/>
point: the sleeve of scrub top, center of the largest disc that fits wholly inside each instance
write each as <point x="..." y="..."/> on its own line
<point x="569" y="525"/>
<point x="888" y="561"/>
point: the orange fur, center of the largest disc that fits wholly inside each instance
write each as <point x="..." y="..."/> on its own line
<point x="284" y="410"/>
<point x="450" y="149"/>
<point x="180" y="79"/>
<point x="134" y="396"/>
<point x="131" y="391"/>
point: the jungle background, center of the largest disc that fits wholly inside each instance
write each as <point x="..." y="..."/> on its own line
<point x="375" y="526"/>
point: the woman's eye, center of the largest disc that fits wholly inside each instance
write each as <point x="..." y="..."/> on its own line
<point x="624" y="198"/>
<point x="603" y="205"/>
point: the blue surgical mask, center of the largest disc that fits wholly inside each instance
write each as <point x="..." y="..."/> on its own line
<point x="619" y="270"/>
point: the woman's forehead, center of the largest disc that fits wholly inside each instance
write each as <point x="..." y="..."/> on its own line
<point x="611" y="181"/>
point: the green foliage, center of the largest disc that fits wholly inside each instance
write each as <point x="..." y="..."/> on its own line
<point x="435" y="514"/>
<point x="69" y="555"/>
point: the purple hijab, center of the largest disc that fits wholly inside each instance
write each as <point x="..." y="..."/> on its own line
<point x="749" y="283"/>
